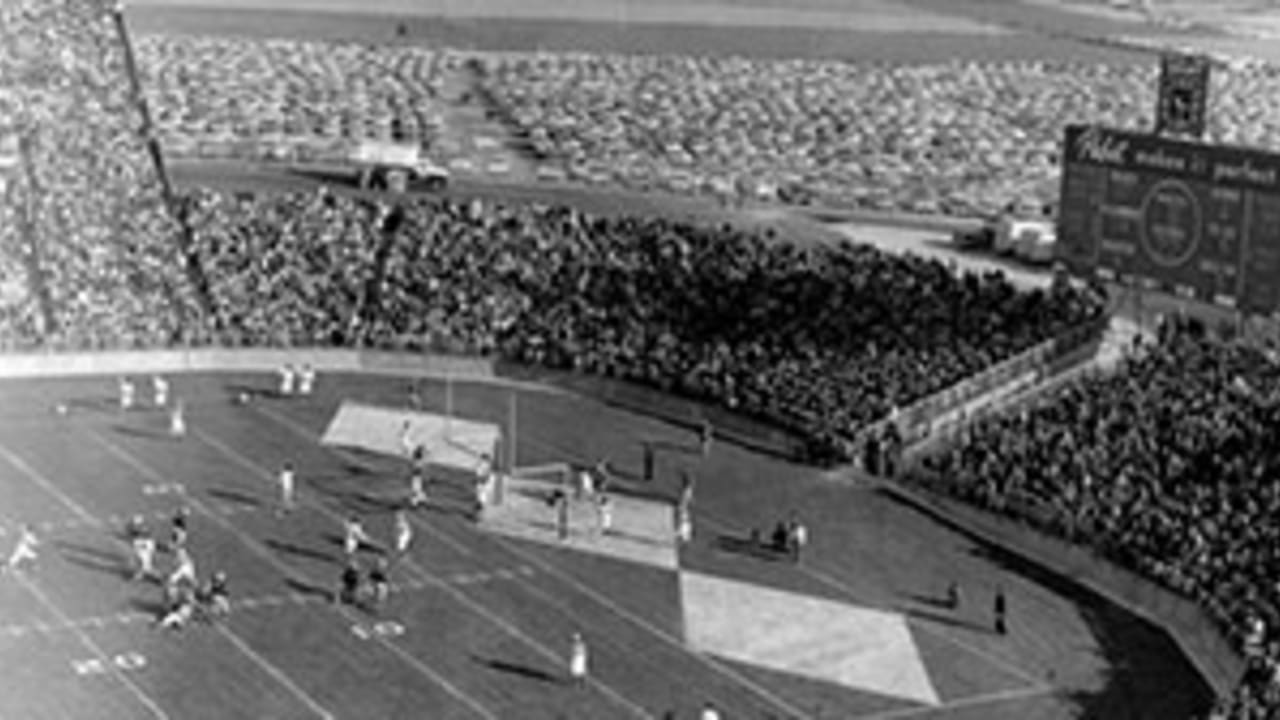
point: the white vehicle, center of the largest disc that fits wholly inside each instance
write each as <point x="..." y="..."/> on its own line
<point x="396" y="166"/>
<point x="1028" y="240"/>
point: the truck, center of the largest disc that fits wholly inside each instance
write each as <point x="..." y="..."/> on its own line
<point x="1029" y="240"/>
<point x="398" y="167"/>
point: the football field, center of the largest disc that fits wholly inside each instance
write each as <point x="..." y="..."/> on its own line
<point x="482" y="609"/>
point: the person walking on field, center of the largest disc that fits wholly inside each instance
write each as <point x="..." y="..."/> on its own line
<point x="403" y="533"/>
<point x="1000" y="607"/>
<point x="287" y="481"/>
<point x="161" y="388"/>
<point x="178" y="420"/>
<point x="578" y="661"/>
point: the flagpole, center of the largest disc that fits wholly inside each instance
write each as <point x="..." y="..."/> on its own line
<point x="511" y="432"/>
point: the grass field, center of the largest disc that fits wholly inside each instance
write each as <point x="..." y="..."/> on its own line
<point x="479" y="624"/>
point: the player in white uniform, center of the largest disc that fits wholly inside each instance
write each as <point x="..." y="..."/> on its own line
<point x="144" y="549"/>
<point x="578" y="661"/>
<point x="407" y="444"/>
<point x="417" y="491"/>
<point x="184" y="570"/>
<point x="709" y="712"/>
<point x="604" y="508"/>
<point x="126" y="393"/>
<point x="161" y="389"/>
<point x="306" y="379"/>
<point x="484" y="487"/>
<point x="353" y="536"/>
<point x="403" y="533"/>
<point x="684" y="524"/>
<point x="178" y="420"/>
<point x="182" y="607"/>
<point x="286" y="480"/>
<point x="24" y="553"/>
<point x="286" y="379"/>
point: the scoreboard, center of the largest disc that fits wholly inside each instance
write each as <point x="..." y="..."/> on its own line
<point x="1194" y="219"/>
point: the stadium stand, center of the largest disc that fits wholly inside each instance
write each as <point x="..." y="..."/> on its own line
<point x="1167" y="467"/>
<point x="818" y="341"/>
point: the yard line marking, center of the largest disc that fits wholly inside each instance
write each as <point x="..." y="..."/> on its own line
<point x="456" y="594"/>
<point x="827" y="580"/>
<point x="94" y="648"/>
<point x="311" y="436"/>
<point x="275" y="672"/>
<point x="254" y="545"/>
<point x="44" y="483"/>
<point x="837" y="584"/>
<point x="971" y="701"/>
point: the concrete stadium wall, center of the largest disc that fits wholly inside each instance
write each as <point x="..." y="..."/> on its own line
<point x="55" y="364"/>
<point x="1194" y="632"/>
<point x="1190" y="627"/>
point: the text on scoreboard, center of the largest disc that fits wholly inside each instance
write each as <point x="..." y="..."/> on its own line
<point x="1197" y="219"/>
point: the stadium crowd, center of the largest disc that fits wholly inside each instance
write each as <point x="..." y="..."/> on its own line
<point x="821" y="341"/>
<point x="1168" y="467"/>
<point x="100" y="219"/>
<point x="962" y="138"/>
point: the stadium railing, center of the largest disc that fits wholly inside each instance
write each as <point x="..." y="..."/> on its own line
<point x="953" y="406"/>
<point x="1195" y="632"/>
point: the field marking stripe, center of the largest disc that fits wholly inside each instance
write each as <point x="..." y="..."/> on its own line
<point x="837" y="584"/>
<point x="93" y="647"/>
<point x="45" y="483"/>
<point x="606" y="602"/>
<point x="971" y="701"/>
<point x="655" y="631"/>
<point x="252" y="544"/>
<point x="603" y="600"/>
<point x="833" y="582"/>
<point x="466" y="600"/>
<point x="305" y="432"/>
<point x="559" y="607"/>
<point x="275" y="673"/>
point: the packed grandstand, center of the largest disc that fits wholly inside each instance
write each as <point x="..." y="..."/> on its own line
<point x="819" y="341"/>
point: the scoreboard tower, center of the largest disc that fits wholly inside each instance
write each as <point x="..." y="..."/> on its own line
<point x="1197" y="220"/>
<point x="1163" y="212"/>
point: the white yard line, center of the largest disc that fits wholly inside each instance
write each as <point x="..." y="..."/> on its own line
<point x="968" y="702"/>
<point x="306" y="433"/>
<point x="275" y="672"/>
<point x="640" y="622"/>
<point x="45" y="484"/>
<point x="94" y="648"/>
<point x="260" y="550"/>
<point x="462" y="598"/>
<point x="837" y="584"/>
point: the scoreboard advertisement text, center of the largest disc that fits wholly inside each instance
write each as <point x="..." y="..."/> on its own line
<point x="1194" y="219"/>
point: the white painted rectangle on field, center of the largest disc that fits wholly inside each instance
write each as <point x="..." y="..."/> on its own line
<point x="449" y="441"/>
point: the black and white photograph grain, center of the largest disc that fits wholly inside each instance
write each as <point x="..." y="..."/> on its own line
<point x="639" y="359"/>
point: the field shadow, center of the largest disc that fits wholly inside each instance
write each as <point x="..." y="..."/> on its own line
<point x="286" y="548"/>
<point x="94" y="404"/>
<point x="236" y="497"/>
<point x="674" y="448"/>
<point x="237" y="390"/>
<point x="949" y="620"/>
<point x="1146" y="675"/>
<point x="144" y="433"/>
<point x="749" y="545"/>
<point x="511" y="668"/>
<point x="930" y="600"/>
<point x="96" y="559"/>
<point x="152" y="607"/>
<point x="308" y="589"/>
